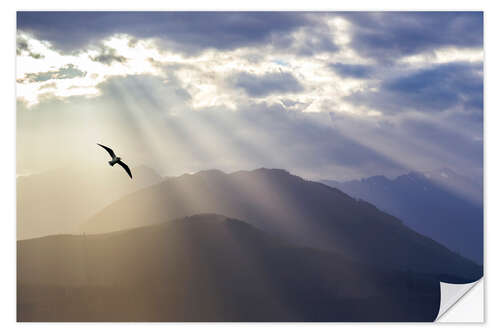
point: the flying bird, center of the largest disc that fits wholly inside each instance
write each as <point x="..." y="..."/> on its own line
<point x="116" y="159"/>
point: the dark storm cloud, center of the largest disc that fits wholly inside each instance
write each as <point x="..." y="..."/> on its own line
<point x="67" y="72"/>
<point x="442" y="87"/>
<point x="189" y="31"/>
<point x="435" y="89"/>
<point x="389" y="35"/>
<point x="266" y="84"/>
<point x="384" y="36"/>
<point x="349" y="70"/>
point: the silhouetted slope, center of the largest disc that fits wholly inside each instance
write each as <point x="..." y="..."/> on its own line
<point x="429" y="203"/>
<point x="57" y="201"/>
<point x="208" y="268"/>
<point x="305" y="212"/>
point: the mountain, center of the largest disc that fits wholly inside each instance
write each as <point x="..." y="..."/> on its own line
<point x="208" y="268"/>
<point x="293" y="209"/>
<point x="56" y="201"/>
<point x="434" y="204"/>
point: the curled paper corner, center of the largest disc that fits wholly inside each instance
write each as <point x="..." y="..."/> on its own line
<point x="450" y="294"/>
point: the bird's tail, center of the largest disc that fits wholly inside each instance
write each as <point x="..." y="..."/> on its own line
<point x="112" y="163"/>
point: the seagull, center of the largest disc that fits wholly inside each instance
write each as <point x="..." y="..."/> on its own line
<point x="116" y="159"/>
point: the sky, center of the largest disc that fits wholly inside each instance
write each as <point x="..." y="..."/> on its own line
<point x="325" y="95"/>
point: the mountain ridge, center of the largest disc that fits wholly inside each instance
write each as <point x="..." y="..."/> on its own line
<point x="427" y="206"/>
<point x="304" y="212"/>
<point x="208" y="267"/>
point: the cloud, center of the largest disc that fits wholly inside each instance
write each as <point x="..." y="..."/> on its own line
<point x="386" y="36"/>
<point x="108" y="56"/>
<point x="228" y="90"/>
<point x="349" y="70"/>
<point x="188" y="31"/>
<point x="67" y="72"/>
<point x="435" y="89"/>
<point x="310" y="39"/>
<point x="266" y="84"/>
<point x="441" y="87"/>
<point x="23" y="47"/>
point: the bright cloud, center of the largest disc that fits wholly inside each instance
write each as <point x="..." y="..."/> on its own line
<point x="206" y="75"/>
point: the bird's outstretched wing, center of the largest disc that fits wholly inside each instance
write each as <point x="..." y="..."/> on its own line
<point x="109" y="150"/>
<point x="126" y="168"/>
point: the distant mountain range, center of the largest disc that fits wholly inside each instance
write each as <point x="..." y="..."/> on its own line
<point x="442" y="205"/>
<point x="213" y="268"/>
<point x="57" y="201"/>
<point x="286" y="206"/>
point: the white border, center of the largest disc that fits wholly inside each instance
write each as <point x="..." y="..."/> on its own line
<point x="492" y="165"/>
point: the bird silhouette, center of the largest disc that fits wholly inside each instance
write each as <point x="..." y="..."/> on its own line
<point x="116" y="159"/>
